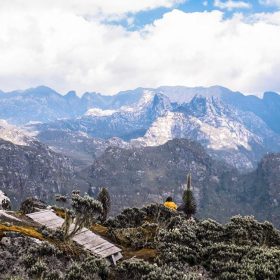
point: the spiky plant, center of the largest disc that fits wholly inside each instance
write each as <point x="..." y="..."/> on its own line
<point x="189" y="200"/>
<point x="104" y="198"/>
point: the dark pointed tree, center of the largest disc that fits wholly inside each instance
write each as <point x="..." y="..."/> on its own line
<point x="104" y="198"/>
<point x="189" y="200"/>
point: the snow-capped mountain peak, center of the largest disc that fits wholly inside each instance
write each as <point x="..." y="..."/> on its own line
<point x="218" y="126"/>
<point x="145" y="100"/>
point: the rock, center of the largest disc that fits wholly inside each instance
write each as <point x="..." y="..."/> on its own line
<point x="6" y="241"/>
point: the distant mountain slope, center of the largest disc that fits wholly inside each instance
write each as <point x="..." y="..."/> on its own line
<point x="239" y="138"/>
<point x="43" y="104"/>
<point x="141" y="175"/>
<point x="14" y="134"/>
<point x="37" y="104"/>
<point x="33" y="171"/>
<point x="78" y="146"/>
<point x="267" y="108"/>
<point x="237" y="128"/>
<point x="29" y="168"/>
<point x="127" y="123"/>
<point x="262" y="189"/>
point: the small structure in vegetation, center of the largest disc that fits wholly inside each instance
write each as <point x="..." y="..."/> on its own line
<point x="84" y="237"/>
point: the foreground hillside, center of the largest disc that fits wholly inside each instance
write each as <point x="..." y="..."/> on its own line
<point x="158" y="244"/>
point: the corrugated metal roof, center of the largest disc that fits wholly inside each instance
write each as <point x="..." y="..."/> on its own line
<point x="86" y="238"/>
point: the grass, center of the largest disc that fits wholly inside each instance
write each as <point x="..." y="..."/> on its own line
<point x="146" y="254"/>
<point x="59" y="212"/>
<point x="99" y="229"/>
<point x="28" y="231"/>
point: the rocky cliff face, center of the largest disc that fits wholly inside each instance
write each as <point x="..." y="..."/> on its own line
<point x="33" y="170"/>
<point x="142" y="175"/>
<point x="236" y="128"/>
<point x="237" y="137"/>
<point x="127" y="123"/>
<point x="261" y="187"/>
<point x="139" y="176"/>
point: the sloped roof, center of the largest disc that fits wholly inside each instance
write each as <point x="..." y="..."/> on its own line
<point x="86" y="238"/>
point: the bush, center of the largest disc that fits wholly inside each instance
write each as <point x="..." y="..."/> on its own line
<point x="135" y="269"/>
<point x="31" y="204"/>
<point x="88" y="270"/>
<point x="135" y="217"/>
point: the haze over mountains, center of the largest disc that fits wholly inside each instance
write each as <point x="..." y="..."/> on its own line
<point x="237" y="128"/>
<point x="143" y="142"/>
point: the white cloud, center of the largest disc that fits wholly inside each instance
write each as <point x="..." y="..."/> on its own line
<point x="230" y="5"/>
<point x="63" y="50"/>
<point x="94" y="8"/>
<point x="270" y="2"/>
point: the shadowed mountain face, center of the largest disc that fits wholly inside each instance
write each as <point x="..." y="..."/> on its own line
<point x="262" y="189"/>
<point x="33" y="170"/>
<point x="137" y="176"/>
<point x="143" y="175"/>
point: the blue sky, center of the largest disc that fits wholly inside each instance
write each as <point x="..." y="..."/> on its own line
<point x="147" y="17"/>
<point x="113" y="45"/>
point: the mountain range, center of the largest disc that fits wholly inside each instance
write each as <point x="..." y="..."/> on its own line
<point x="141" y="143"/>
<point x="237" y="128"/>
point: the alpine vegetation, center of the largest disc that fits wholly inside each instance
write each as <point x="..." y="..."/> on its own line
<point x="189" y="204"/>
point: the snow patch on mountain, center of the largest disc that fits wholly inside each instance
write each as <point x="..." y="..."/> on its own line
<point x="145" y="100"/>
<point x="230" y="135"/>
<point x="160" y="131"/>
<point x="99" y="112"/>
<point x="15" y="135"/>
<point x="238" y="137"/>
